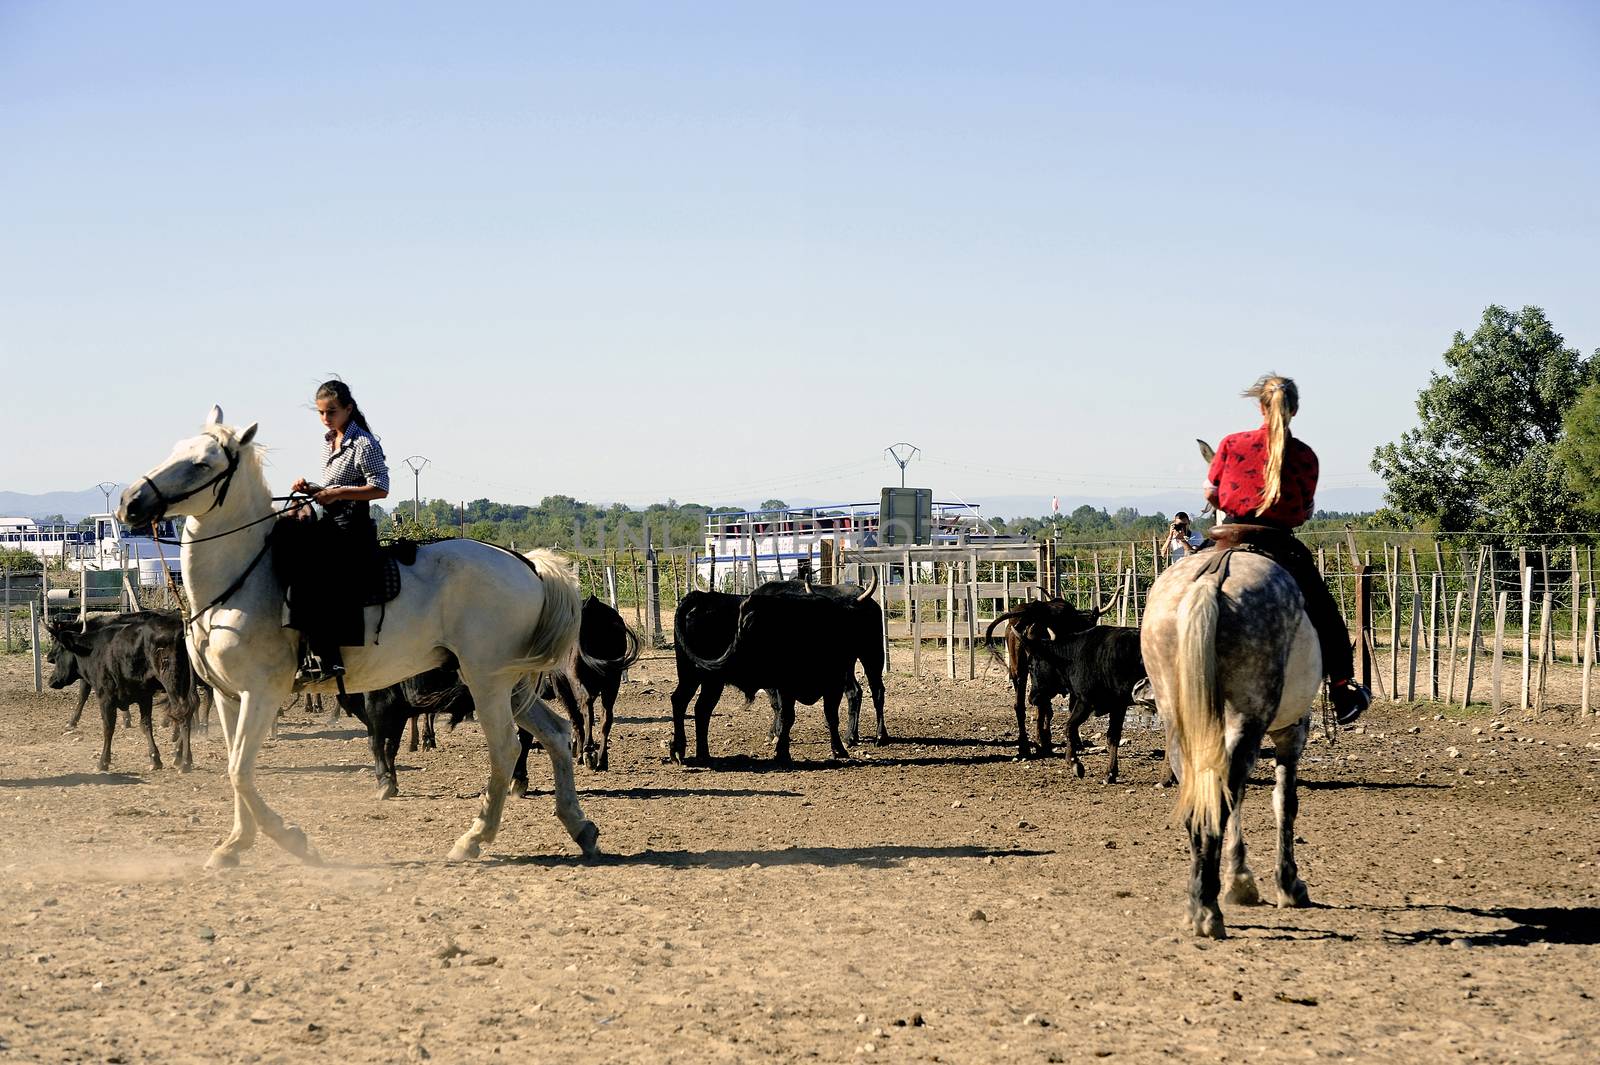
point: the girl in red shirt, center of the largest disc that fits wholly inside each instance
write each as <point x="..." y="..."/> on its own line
<point x="1266" y="480"/>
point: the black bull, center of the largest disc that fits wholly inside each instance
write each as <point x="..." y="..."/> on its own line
<point x="799" y="645"/>
<point x="127" y="660"/>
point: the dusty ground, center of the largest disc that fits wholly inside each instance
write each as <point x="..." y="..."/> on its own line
<point x="820" y="913"/>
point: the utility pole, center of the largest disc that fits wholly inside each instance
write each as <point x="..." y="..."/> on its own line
<point x="105" y="489"/>
<point x="416" y="462"/>
<point x="902" y="454"/>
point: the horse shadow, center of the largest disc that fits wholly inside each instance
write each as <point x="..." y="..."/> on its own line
<point x="71" y="780"/>
<point x="749" y="763"/>
<point x="952" y="741"/>
<point x="674" y="793"/>
<point x="1565" y="925"/>
<point x="324" y="734"/>
<point x="1529" y="925"/>
<point x="869" y="857"/>
<point x="1367" y="785"/>
<point x="307" y="770"/>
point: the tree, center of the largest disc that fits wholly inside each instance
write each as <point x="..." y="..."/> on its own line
<point x="1580" y="449"/>
<point x="774" y="504"/>
<point x="1485" y="456"/>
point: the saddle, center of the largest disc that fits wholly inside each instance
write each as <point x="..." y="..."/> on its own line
<point x="383" y="580"/>
<point x="1265" y="540"/>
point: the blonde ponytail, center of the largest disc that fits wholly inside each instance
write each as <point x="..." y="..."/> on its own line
<point x="1280" y="401"/>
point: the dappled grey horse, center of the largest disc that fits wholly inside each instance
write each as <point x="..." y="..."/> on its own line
<point x="1233" y="658"/>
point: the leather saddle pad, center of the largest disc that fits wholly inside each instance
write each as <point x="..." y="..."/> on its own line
<point x="385" y="582"/>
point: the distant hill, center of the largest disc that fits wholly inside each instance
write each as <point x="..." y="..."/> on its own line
<point x="70" y="505"/>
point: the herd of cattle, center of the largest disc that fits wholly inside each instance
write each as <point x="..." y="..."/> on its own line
<point x="798" y="642"/>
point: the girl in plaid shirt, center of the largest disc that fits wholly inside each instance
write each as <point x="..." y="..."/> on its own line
<point x="334" y="558"/>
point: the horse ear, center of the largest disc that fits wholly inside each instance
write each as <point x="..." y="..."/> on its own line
<point x="215" y="417"/>
<point x="249" y="434"/>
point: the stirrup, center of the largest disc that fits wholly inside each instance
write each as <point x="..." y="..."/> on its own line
<point x="313" y="670"/>
<point x="1350" y="700"/>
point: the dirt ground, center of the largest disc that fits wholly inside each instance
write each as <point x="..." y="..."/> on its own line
<point x="932" y="901"/>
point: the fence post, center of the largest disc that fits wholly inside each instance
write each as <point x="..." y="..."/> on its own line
<point x="972" y="617"/>
<point x="38" y="662"/>
<point x="1496" y="667"/>
<point x="914" y="620"/>
<point x="950" y="620"/>
<point x="1363" y="621"/>
<point x="1545" y="651"/>
<point x="1411" y="651"/>
<point x="1455" y="634"/>
<point x="652" y="593"/>
<point x="1574" y="604"/>
<point x="1435" y="587"/>
<point x="883" y="604"/>
<point x="1394" y="620"/>
<point x="611" y="584"/>
<point x="1588" y="650"/>
<point x="8" y="608"/>
<point x="1472" y="635"/>
<point x="1527" y="629"/>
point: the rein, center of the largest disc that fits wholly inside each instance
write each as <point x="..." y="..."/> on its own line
<point x="225" y="480"/>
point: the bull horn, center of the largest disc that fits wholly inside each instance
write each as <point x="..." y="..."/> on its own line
<point x="1110" y="603"/>
<point x="872" y="586"/>
<point x="1206" y="451"/>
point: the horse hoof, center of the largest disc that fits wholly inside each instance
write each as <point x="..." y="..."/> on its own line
<point x="1243" y="892"/>
<point x="221" y="859"/>
<point x="1210" y="926"/>
<point x="1077" y="769"/>
<point x="883" y="739"/>
<point x="464" y="851"/>
<point x="1294" y="898"/>
<point x="387" y="791"/>
<point x="297" y="843"/>
<point x="588" y="838"/>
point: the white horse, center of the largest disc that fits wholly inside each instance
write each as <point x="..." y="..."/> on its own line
<point x="1233" y="659"/>
<point x="505" y="617"/>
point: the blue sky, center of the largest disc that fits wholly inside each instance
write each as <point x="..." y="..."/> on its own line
<point x="627" y="252"/>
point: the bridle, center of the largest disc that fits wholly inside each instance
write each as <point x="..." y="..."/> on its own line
<point x="220" y="483"/>
<point x="223" y="481"/>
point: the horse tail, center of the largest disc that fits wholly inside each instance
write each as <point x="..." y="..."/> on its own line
<point x="553" y="643"/>
<point x="1197" y="721"/>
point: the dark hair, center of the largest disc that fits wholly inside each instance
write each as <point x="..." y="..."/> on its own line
<point x="339" y="392"/>
<point x="1180" y="516"/>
